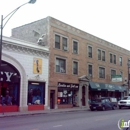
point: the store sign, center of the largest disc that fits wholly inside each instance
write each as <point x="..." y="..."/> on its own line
<point x="7" y="76"/>
<point x="37" y="66"/>
<point x="68" y="85"/>
<point x="116" y="78"/>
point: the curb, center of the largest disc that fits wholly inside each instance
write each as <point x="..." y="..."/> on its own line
<point x="37" y="113"/>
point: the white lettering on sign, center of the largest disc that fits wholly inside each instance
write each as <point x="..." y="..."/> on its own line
<point x="8" y="76"/>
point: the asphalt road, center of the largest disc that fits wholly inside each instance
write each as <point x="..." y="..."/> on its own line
<point x="81" y="120"/>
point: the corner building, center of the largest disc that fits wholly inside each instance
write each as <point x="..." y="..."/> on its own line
<point x="81" y="66"/>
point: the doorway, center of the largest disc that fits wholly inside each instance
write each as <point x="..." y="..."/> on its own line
<point x="52" y="99"/>
<point x="83" y="96"/>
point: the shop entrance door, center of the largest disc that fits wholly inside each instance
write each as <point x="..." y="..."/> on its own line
<point x="52" y="99"/>
<point x="83" y="96"/>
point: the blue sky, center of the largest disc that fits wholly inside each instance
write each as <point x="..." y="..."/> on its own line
<point x="106" y="19"/>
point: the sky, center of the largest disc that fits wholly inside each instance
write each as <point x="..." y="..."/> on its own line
<point x="106" y="19"/>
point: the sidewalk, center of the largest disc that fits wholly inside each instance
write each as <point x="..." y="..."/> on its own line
<point x="11" y="114"/>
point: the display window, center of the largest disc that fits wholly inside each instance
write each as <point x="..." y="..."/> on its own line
<point x="67" y="93"/>
<point x="36" y="93"/>
<point x="67" y="97"/>
<point x="9" y="84"/>
<point x="9" y="93"/>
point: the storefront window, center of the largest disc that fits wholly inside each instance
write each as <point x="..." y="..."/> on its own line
<point x="36" y="93"/>
<point x="67" y="93"/>
<point x="9" y="94"/>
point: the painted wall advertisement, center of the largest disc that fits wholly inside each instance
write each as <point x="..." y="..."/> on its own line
<point x="37" y="66"/>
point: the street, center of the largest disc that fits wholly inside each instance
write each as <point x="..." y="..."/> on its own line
<point x="81" y="120"/>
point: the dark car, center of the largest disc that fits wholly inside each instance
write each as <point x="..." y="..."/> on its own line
<point x="102" y="104"/>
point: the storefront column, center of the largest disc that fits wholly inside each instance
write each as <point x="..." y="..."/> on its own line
<point x="80" y="96"/>
<point x="87" y="95"/>
<point x="23" y="95"/>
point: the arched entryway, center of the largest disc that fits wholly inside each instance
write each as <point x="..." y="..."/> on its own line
<point x="9" y="87"/>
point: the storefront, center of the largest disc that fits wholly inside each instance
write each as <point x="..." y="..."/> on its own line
<point x="24" y="76"/>
<point x="9" y="87"/>
<point x="105" y="90"/>
<point x="67" y="95"/>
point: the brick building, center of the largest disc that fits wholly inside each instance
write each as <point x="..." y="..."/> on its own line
<point x="81" y="65"/>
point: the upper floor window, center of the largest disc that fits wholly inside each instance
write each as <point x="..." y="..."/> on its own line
<point x="75" y="67"/>
<point x="64" y="43"/>
<point x="75" y="47"/>
<point x="60" y="65"/>
<point x="120" y="61"/>
<point x="101" y="72"/>
<point x="90" y="70"/>
<point x="57" y="41"/>
<point x="112" y="58"/>
<point x="113" y="72"/>
<point x="101" y="55"/>
<point x="90" y="51"/>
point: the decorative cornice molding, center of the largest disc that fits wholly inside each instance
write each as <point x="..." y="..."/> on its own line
<point x="25" y="50"/>
<point x="63" y="26"/>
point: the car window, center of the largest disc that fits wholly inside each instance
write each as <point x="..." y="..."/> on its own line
<point x="125" y="98"/>
<point x="103" y="101"/>
<point x="113" y="99"/>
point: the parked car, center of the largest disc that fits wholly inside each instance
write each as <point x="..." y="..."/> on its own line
<point x="103" y="103"/>
<point x="125" y="102"/>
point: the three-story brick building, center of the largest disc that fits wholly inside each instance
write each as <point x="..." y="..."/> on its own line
<point x="81" y="65"/>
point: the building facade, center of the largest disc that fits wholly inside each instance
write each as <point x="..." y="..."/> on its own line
<point x="81" y="66"/>
<point x="24" y="76"/>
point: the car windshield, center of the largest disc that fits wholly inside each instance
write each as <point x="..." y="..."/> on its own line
<point x="126" y="98"/>
<point x="96" y="100"/>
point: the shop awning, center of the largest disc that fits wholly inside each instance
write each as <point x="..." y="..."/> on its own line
<point x="107" y="87"/>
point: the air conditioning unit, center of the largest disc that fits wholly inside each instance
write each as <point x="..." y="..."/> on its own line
<point x="65" y="48"/>
<point x="42" y="40"/>
<point x="75" y="51"/>
<point x="62" y="70"/>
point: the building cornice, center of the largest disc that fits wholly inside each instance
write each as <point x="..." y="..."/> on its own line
<point x="68" y="28"/>
<point x="19" y="46"/>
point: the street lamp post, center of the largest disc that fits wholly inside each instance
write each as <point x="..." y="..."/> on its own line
<point x="2" y="27"/>
<point x="128" y="76"/>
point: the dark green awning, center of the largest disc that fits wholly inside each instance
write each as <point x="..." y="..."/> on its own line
<point x="107" y="87"/>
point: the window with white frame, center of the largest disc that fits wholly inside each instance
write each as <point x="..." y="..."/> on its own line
<point x="101" y="72"/>
<point x="60" y="65"/>
<point x="101" y="55"/>
<point x="57" y="41"/>
<point x="90" y="70"/>
<point x="64" y="44"/>
<point x="120" y="61"/>
<point x="75" y="67"/>
<point x="90" y="51"/>
<point x="75" y="47"/>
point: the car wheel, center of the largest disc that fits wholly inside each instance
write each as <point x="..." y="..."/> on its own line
<point x="103" y="108"/>
<point x="119" y="107"/>
<point x="92" y="109"/>
<point x="113" y="108"/>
